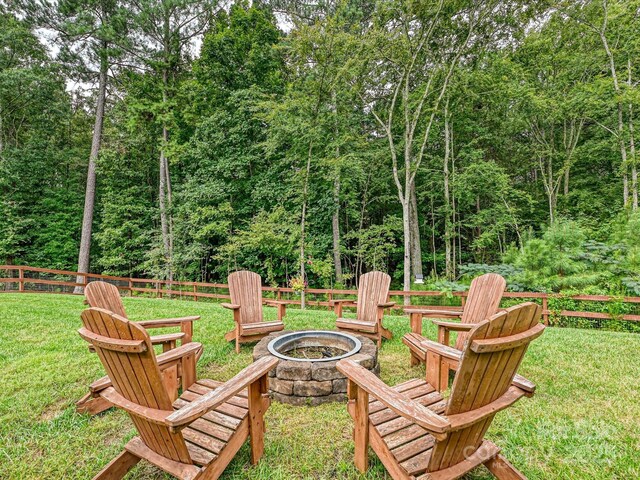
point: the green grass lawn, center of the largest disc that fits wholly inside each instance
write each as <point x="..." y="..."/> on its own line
<point x="583" y="423"/>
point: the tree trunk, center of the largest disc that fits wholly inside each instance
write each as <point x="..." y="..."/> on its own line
<point x="448" y="265"/>
<point x="406" y="230"/>
<point x="566" y="181"/>
<point x="634" y="169"/>
<point x="335" y="219"/>
<point x="164" y="188"/>
<point x="621" y="142"/>
<point x="363" y="209"/>
<point x="335" y="227"/>
<point x="433" y="239"/>
<point x="416" y="249"/>
<point x="90" y="192"/>
<point x="632" y="148"/>
<point x="303" y="219"/>
<point x="552" y="190"/>
<point x="164" y="222"/>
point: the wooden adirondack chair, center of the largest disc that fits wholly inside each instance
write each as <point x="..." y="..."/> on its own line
<point x="245" y="289"/>
<point x="106" y="296"/>
<point x="482" y="301"/>
<point x="193" y="438"/>
<point x="373" y="298"/>
<point x="419" y="435"/>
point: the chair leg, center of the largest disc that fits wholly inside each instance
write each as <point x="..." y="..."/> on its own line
<point x="386" y="333"/>
<point x="118" y="467"/>
<point x="415" y="360"/>
<point x="502" y="469"/>
<point x="257" y="429"/>
<point x="237" y="344"/>
<point x="92" y="405"/>
<point x="434" y="367"/>
<point x="444" y="375"/>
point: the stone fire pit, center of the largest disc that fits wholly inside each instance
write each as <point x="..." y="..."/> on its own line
<point x="307" y="373"/>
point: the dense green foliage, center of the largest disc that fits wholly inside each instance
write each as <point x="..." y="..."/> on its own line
<point x="510" y="126"/>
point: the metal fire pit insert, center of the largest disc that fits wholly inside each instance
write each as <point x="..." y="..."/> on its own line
<point x="313" y="381"/>
<point x="339" y="341"/>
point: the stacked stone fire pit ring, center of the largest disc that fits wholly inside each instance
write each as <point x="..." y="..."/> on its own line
<point x="307" y="373"/>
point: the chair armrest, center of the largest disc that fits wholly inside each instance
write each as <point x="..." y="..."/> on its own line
<point x="456" y="327"/>
<point x="167" y="322"/>
<point x="386" y="305"/>
<point x="441" y="349"/>
<point x="525" y="384"/>
<point x="434" y="312"/>
<point x="230" y="306"/>
<point x="432" y="422"/>
<point x="273" y="303"/>
<point x="342" y="300"/>
<point x="340" y="303"/>
<point x="191" y="348"/>
<point x="153" y="415"/>
<point x="281" y="306"/>
<point x="187" y="414"/>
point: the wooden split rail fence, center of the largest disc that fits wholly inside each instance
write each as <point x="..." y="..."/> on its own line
<point x="19" y="278"/>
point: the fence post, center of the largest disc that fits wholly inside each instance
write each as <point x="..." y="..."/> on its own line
<point x="20" y="279"/>
<point x="330" y="298"/>
<point x="195" y="292"/>
<point x="158" y="291"/>
<point x="130" y="287"/>
<point x="545" y="310"/>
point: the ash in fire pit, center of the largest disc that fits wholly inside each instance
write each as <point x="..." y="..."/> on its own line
<point x="307" y="373"/>
<point x="315" y="353"/>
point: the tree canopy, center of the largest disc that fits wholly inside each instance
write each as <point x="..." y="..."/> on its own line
<point x="313" y="143"/>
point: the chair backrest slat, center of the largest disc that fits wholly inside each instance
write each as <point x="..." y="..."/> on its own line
<point x="136" y="376"/>
<point x="483" y="300"/>
<point x="372" y="291"/>
<point x="104" y="295"/>
<point x="484" y="377"/>
<point x="245" y="289"/>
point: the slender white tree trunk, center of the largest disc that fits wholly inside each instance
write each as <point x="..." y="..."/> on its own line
<point x="416" y="249"/>
<point x="616" y="87"/>
<point x="632" y="147"/>
<point x="634" y="168"/>
<point x="406" y="230"/>
<point x="303" y="218"/>
<point x="335" y="227"/>
<point x="90" y="191"/>
<point x="449" y="265"/>
<point x="164" y="186"/>
<point x="335" y="218"/>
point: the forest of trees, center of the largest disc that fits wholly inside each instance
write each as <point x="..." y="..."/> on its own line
<point x="312" y="142"/>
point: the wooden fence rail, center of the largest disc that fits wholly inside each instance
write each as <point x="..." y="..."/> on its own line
<point x="20" y="278"/>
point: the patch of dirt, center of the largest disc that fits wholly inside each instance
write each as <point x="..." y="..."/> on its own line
<point x="53" y="411"/>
